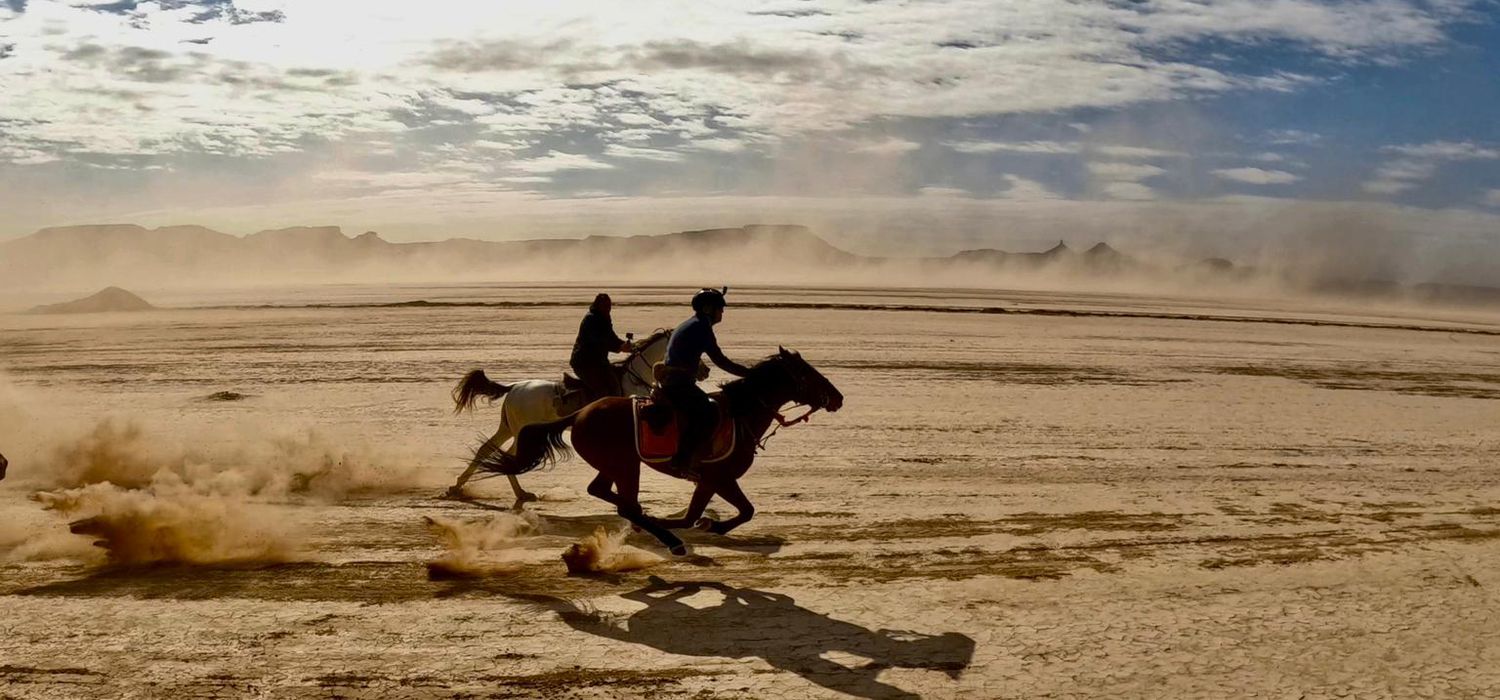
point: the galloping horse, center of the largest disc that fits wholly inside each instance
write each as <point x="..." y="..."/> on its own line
<point x="539" y="400"/>
<point x="604" y="434"/>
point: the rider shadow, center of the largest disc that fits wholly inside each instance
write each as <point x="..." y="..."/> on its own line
<point x="752" y="623"/>
<point x="584" y="525"/>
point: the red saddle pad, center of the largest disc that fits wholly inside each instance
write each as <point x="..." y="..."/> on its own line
<point x="659" y="446"/>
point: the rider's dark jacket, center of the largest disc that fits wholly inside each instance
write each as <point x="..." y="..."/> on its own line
<point x="596" y="340"/>
<point x="694" y="338"/>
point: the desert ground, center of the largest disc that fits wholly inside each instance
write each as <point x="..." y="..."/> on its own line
<point x="1026" y="495"/>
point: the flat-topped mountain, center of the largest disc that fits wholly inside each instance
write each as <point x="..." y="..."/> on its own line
<point x="107" y="299"/>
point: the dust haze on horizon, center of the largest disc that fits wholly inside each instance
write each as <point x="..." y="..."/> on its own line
<point x="895" y="131"/>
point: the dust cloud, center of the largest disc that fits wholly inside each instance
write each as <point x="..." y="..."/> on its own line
<point x="477" y="548"/>
<point x="122" y="493"/>
<point x="172" y="522"/>
<point x="128" y="455"/>
<point x="605" y="552"/>
<point x="1234" y="247"/>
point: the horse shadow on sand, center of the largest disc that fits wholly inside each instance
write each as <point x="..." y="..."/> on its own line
<point x="751" y="623"/>
<point x="584" y="525"/>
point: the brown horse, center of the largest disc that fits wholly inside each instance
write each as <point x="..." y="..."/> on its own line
<point x="604" y="435"/>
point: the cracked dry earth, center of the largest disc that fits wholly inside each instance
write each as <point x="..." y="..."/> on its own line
<point x="1009" y="506"/>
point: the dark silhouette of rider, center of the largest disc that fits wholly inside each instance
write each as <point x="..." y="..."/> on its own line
<point x="678" y="384"/>
<point x="596" y="340"/>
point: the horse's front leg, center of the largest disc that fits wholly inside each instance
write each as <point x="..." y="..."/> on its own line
<point x="729" y="490"/>
<point x="702" y="494"/>
<point x="627" y="478"/>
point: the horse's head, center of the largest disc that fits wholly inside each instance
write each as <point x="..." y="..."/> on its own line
<point x="809" y="386"/>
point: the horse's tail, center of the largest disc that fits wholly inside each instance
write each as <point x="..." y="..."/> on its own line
<point x="536" y="444"/>
<point x="473" y="386"/>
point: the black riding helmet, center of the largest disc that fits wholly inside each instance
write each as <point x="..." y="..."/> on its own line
<point x="707" y="299"/>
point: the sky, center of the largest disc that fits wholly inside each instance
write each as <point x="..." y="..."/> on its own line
<point x="1229" y="126"/>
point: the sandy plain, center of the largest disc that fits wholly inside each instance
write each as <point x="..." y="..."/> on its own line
<point x="1026" y="495"/>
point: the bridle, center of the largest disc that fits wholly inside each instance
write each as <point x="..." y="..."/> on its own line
<point x="638" y="352"/>
<point x="799" y="384"/>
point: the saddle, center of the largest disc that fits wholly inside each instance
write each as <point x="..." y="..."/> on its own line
<point x="575" y="394"/>
<point x="656" y="433"/>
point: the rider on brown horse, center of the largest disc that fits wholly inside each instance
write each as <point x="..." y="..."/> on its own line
<point x="677" y="383"/>
<point x="596" y="340"/>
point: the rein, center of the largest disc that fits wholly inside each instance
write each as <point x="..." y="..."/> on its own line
<point x="782" y="422"/>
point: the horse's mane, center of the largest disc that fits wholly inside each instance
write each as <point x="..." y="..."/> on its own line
<point x="760" y="373"/>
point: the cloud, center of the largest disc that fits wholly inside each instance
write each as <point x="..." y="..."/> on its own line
<point x="761" y="73"/>
<point x="943" y="192"/>
<point x="887" y="146"/>
<point x="501" y="55"/>
<point x="558" y="161"/>
<point x="1022" y="189"/>
<point x="532" y="90"/>
<point x="197" y="11"/>
<point x="1416" y="163"/>
<point x="740" y="57"/>
<point x="1291" y="137"/>
<point x="1446" y="150"/>
<point x="1137" y="152"/>
<point x="1129" y="190"/>
<point x="1124" y="171"/>
<point x="1052" y="147"/>
<point x="1117" y="151"/>
<point x="719" y="145"/>
<point x="618" y="151"/>
<point x="1257" y="176"/>
<point x="1492" y="198"/>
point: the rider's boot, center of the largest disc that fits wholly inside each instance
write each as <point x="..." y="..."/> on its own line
<point x="690" y="437"/>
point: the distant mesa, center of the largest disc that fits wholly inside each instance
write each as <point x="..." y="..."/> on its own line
<point x="107" y="299"/>
<point x="226" y="396"/>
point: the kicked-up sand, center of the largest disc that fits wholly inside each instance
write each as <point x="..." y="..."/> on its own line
<point x="1025" y="495"/>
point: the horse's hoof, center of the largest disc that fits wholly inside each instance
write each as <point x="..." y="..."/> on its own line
<point x="679" y="550"/>
<point x="528" y="497"/>
<point x="705" y="524"/>
<point x="454" y="493"/>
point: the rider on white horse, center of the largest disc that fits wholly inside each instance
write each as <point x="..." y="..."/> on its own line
<point x="596" y="340"/>
<point x="539" y="401"/>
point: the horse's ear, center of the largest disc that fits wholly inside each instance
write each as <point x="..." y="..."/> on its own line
<point x="781" y="351"/>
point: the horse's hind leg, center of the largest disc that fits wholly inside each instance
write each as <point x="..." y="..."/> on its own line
<point x="488" y="448"/>
<point x="688" y="516"/>
<point x="599" y="488"/>
<point x="628" y="505"/>
<point x="491" y="446"/>
<point x="730" y="491"/>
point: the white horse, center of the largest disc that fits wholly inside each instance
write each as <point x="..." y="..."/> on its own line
<point x="542" y="401"/>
